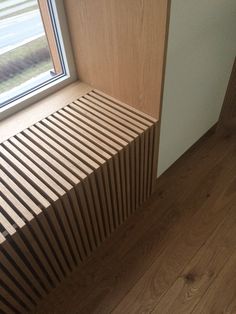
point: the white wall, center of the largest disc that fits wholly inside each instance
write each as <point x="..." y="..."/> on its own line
<point x="201" y="50"/>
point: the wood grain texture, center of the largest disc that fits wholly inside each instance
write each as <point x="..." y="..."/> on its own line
<point x="119" y="47"/>
<point x="202" y="271"/>
<point x="221" y="294"/>
<point x="175" y="255"/>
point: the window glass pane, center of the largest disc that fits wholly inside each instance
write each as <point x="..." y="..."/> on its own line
<point x="28" y="49"/>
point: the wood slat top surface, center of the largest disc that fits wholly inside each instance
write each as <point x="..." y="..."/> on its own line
<point x="45" y="160"/>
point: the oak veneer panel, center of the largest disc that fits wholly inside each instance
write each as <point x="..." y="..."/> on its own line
<point x="119" y="47"/>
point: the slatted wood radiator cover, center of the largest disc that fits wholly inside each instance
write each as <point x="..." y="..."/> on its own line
<point x="67" y="183"/>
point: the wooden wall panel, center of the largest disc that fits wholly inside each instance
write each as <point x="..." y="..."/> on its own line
<point x="119" y="47"/>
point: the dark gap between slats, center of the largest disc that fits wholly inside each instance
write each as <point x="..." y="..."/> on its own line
<point x="25" y="278"/>
<point x="74" y="117"/>
<point x="136" y="122"/>
<point x="62" y="174"/>
<point x="102" y="122"/>
<point x="72" y="171"/>
<point x="26" y="262"/>
<point x="138" y="113"/>
<point x="20" y="287"/>
<point x="77" y="146"/>
<point x="70" y="151"/>
<point x="9" y="305"/>
<point x="35" y="217"/>
<point x="34" y="199"/>
<point x="69" y="123"/>
<point x="50" y="188"/>
<point x="124" y="128"/>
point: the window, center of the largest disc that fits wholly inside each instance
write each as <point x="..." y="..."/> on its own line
<point x="35" y="55"/>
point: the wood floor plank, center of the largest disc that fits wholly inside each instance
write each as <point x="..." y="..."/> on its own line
<point x="231" y="308"/>
<point x="202" y="270"/>
<point x="222" y="291"/>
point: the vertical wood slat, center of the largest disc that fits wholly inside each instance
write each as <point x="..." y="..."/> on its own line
<point x="66" y="184"/>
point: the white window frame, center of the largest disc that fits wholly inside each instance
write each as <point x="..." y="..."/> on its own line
<point x="55" y="85"/>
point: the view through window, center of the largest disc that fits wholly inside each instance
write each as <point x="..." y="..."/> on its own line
<point x="29" y="51"/>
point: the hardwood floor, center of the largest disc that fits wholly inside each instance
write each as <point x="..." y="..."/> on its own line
<point x="175" y="255"/>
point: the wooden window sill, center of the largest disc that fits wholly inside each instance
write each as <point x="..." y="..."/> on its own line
<point x="41" y="109"/>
